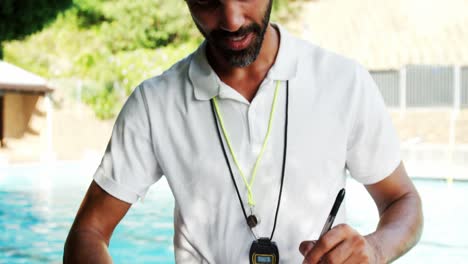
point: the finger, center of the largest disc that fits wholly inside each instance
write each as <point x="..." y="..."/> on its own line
<point x="306" y="246"/>
<point x="340" y="253"/>
<point x="353" y="259"/>
<point x="327" y="242"/>
<point x="359" y="253"/>
<point x="322" y="247"/>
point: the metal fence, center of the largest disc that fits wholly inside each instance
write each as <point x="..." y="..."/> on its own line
<point x="429" y="86"/>
<point x="424" y="86"/>
<point x="464" y="87"/>
<point x="388" y="83"/>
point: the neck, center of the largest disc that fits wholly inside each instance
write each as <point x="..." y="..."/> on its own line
<point x="246" y="80"/>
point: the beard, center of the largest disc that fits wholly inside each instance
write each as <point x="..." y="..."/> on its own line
<point x="246" y="56"/>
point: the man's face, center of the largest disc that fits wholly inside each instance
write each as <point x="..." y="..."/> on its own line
<point x="234" y="29"/>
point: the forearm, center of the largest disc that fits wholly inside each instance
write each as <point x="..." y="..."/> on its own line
<point x="399" y="228"/>
<point x="85" y="246"/>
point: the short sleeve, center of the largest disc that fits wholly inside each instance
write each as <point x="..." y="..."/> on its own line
<point x="373" y="149"/>
<point x="129" y="166"/>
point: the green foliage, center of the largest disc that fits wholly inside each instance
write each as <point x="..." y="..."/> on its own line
<point x="283" y="9"/>
<point x="103" y="99"/>
<point x="20" y="18"/>
<point x="131" y="68"/>
<point x="89" y="13"/>
<point x="115" y="44"/>
<point x="146" y="24"/>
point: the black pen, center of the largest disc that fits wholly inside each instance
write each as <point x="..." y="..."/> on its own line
<point x="334" y="211"/>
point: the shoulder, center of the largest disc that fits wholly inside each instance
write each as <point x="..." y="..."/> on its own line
<point x="332" y="77"/>
<point x="322" y="59"/>
<point x="327" y="68"/>
<point x="154" y="92"/>
<point x="169" y="80"/>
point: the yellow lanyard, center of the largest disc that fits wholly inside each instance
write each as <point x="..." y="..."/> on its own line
<point x="248" y="185"/>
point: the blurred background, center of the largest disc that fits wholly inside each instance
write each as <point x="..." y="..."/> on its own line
<point x="67" y="67"/>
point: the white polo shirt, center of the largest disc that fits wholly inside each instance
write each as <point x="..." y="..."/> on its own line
<point x="337" y="120"/>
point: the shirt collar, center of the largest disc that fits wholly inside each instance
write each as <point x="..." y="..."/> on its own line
<point x="207" y="84"/>
<point x="285" y="66"/>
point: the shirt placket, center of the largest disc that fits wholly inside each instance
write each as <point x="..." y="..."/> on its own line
<point x="257" y="115"/>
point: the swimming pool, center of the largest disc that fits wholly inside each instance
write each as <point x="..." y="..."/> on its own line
<point x="38" y="204"/>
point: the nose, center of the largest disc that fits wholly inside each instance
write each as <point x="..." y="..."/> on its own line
<point x="232" y="16"/>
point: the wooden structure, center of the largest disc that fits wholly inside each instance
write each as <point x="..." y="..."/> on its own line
<point x="20" y="91"/>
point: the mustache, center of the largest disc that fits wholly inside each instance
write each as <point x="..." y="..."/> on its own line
<point x="219" y="33"/>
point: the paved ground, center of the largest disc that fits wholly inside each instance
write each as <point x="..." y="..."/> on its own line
<point x="433" y="126"/>
<point x="77" y="134"/>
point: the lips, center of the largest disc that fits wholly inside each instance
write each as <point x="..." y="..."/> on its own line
<point x="238" y="42"/>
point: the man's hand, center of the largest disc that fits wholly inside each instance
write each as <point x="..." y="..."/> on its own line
<point x="341" y="244"/>
<point x="399" y="227"/>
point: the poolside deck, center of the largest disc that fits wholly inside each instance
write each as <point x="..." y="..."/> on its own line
<point x="77" y="134"/>
<point x="434" y="142"/>
<point x="432" y="126"/>
<point x="427" y="146"/>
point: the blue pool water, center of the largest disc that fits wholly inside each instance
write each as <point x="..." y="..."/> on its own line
<point x="38" y="204"/>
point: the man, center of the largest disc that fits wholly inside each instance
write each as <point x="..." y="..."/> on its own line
<point x="254" y="132"/>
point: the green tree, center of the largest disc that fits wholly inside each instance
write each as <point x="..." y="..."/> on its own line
<point x="111" y="45"/>
<point x="20" y="18"/>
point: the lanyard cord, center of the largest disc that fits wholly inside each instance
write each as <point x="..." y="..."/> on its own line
<point x="250" y="199"/>
<point x="284" y="157"/>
